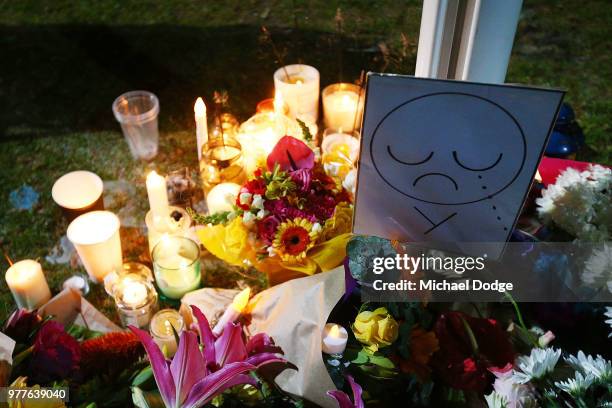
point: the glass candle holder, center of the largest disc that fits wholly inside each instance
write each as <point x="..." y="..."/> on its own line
<point x="177" y="223"/>
<point x="134" y="294"/>
<point x="221" y="162"/>
<point x="161" y="329"/>
<point x="298" y="86"/>
<point x="176" y="263"/>
<point x="343" y="106"/>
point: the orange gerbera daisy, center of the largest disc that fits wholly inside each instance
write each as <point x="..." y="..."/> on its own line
<point x="294" y="238"/>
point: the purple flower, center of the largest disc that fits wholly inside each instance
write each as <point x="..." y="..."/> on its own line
<point x="302" y="179"/>
<point x="55" y="355"/>
<point x="343" y="400"/>
<point x="21" y="324"/>
<point x="197" y="374"/>
<point x="267" y="228"/>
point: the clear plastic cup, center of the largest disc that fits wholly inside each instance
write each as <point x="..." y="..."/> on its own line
<point x="137" y="112"/>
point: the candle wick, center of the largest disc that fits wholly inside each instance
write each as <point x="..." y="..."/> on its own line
<point x="8" y="259"/>
<point x="291" y="161"/>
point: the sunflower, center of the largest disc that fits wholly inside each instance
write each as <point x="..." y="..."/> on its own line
<point x="294" y="238"/>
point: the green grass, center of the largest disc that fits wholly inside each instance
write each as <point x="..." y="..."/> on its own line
<point x="63" y="63"/>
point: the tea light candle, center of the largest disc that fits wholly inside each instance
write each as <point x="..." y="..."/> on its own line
<point x="176" y="263"/>
<point x="201" y="125"/>
<point x="298" y="86"/>
<point x="233" y="311"/>
<point x="335" y="338"/>
<point x="95" y="236"/>
<point x="161" y="329"/>
<point x="78" y="192"/>
<point x="222" y="197"/>
<point x="28" y="285"/>
<point x="158" y="195"/>
<point x="343" y="106"/>
<point x="135" y="296"/>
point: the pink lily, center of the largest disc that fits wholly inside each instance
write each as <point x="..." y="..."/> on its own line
<point x="195" y="376"/>
<point x="343" y="400"/>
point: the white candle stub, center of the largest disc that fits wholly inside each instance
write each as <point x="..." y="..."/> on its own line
<point x="201" y="125"/>
<point x="335" y="338"/>
<point x="158" y="195"/>
<point x="28" y="285"/>
<point x="134" y="293"/>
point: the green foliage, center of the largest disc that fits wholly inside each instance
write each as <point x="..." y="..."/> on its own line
<point x="278" y="182"/>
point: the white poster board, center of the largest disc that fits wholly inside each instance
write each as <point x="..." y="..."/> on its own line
<point x="449" y="162"/>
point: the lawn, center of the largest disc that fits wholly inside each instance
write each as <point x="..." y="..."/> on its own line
<point x="64" y="62"/>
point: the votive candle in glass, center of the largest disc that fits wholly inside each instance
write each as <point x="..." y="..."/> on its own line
<point x="334" y="339"/>
<point x="78" y="192"/>
<point x="343" y="106"/>
<point x="95" y="235"/>
<point x="221" y="162"/>
<point x="161" y="329"/>
<point x="134" y="294"/>
<point x="298" y="86"/>
<point x="176" y="264"/>
<point x="28" y="285"/>
<point x="340" y="144"/>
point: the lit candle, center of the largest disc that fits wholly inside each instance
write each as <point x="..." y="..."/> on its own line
<point x="176" y="263"/>
<point x="78" y="192"/>
<point x="298" y="86"/>
<point x="233" y="311"/>
<point x="342" y="106"/>
<point x="158" y="195"/>
<point x="201" y="126"/>
<point x="334" y="339"/>
<point x="28" y="285"/>
<point x="222" y="197"/>
<point x="95" y="236"/>
<point x="134" y="294"/>
<point x="162" y="332"/>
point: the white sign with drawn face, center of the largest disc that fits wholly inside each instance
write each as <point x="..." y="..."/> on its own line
<point x="448" y="161"/>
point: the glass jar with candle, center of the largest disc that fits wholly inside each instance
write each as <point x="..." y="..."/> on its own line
<point x="176" y="263"/>
<point x="134" y="294"/>
<point x="343" y="106"/>
<point x="162" y="331"/>
<point x="298" y="86"/>
<point x="176" y="223"/>
<point x="221" y="162"/>
<point x="340" y="152"/>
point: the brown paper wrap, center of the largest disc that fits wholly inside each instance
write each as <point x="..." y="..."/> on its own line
<point x="293" y="314"/>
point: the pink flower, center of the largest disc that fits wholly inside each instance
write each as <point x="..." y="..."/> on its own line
<point x="344" y="400"/>
<point x="267" y="228"/>
<point x="302" y="179"/>
<point x="291" y="154"/>
<point x="55" y="355"/>
<point x="516" y="395"/>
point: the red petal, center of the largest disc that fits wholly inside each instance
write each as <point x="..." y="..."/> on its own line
<point x="291" y="154"/>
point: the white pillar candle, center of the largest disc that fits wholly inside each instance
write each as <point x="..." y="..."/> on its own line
<point x="28" y="285"/>
<point x="334" y="338"/>
<point x="161" y="329"/>
<point x="222" y="197"/>
<point x="300" y="91"/>
<point x="95" y="236"/>
<point x="158" y="195"/>
<point x="233" y="311"/>
<point x="201" y="125"/>
<point x="343" y="106"/>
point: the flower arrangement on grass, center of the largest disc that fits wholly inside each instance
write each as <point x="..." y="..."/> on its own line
<point x="290" y="219"/>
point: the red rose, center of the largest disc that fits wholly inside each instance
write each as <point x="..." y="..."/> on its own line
<point x="462" y="364"/>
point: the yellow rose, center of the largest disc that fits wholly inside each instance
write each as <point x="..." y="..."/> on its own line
<point x="376" y="329"/>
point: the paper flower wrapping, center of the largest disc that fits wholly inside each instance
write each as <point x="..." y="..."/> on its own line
<point x="290" y="219"/>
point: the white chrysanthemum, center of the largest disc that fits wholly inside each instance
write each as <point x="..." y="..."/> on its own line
<point x="516" y="395"/>
<point x="598" y="268"/>
<point x="495" y="400"/>
<point x="598" y="367"/>
<point x="608" y="313"/>
<point x="577" y="385"/>
<point x="580" y="203"/>
<point x="536" y="365"/>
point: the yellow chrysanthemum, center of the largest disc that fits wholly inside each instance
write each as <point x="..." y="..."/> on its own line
<point x="294" y="238"/>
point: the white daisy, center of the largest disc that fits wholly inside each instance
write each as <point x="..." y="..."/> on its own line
<point x="598" y="268"/>
<point x="598" y="367"/>
<point x="536" y="365"/>
<point x="577" y="385"/>
<point x="495" y="400"/>
<point x="608" y="313"/>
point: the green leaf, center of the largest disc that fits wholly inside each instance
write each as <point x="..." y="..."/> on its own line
<point x="147" y="399"/>
<point x="305" y="131"/>
<point x="381" y="361"/>
<point x="362" y="358"/>
<point x="143" y="378"/>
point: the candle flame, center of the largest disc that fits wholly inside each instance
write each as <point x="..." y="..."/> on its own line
<point x="334" y="331"/>
<point x="241" y="300"/>
<point x="299" y="82"/>
<point x="199" y="108"/>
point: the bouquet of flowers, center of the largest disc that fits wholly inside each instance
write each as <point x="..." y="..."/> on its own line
<point x="290" y="219"/>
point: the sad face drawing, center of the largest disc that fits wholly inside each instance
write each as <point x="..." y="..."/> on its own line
<point x="457" y="159"/>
